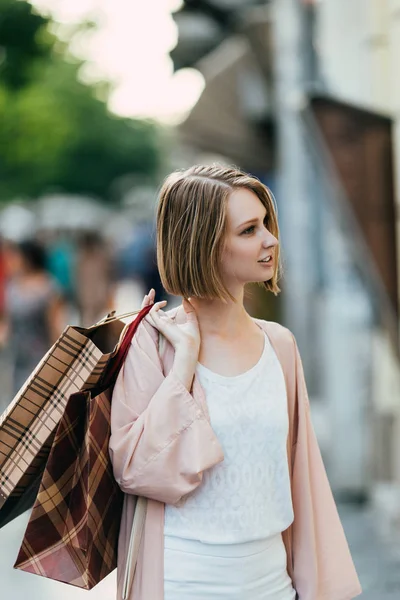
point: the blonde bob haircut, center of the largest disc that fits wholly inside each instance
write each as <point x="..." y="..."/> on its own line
<point x="191" y="227"/>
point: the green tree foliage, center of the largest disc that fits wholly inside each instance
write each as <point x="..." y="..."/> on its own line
<point x="56" y="132"/>
<point x="22" y="40"/>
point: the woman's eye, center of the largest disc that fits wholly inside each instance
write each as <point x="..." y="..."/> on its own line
<point x="251" y="229"/>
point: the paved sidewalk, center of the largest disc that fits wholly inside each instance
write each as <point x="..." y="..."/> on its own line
<point x="377" y="563"/>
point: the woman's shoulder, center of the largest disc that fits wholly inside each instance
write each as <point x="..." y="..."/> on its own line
<point x="280" y="331"/>
<point x="281" y="338"/>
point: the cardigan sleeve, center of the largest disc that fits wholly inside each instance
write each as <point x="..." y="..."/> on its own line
<point x="322" y="565"/>
<point x="161" y="442"/>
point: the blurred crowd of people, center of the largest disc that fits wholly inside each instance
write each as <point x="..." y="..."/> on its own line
<point x="51" y="281"/>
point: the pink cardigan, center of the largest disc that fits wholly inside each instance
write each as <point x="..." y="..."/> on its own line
<point x="162" y="441"/>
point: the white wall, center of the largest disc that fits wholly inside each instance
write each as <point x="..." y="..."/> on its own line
<point x="342" y="44"/>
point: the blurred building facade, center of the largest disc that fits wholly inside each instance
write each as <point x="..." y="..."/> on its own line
<point x="361" y="70"/>
<point x="304" y="94"/>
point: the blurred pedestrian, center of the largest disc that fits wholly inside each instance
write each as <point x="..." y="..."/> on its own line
<point x="34" y="309"/>
<point x="137" y="258"/>
<point x="94" y="283"/>
<point x="2" y="278"/>
<point x="61" y="263"/>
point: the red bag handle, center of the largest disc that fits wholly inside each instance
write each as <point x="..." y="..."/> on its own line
<point x="119" y="358"/>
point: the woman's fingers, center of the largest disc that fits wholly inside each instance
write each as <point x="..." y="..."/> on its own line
<point x="149" y="298"/>
<point x="189" y="310"/>
<point x="155" y="318"/>
<point x="156" y="310"/>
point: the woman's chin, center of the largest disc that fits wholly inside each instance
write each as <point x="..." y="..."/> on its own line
<point x="261" y="279"/>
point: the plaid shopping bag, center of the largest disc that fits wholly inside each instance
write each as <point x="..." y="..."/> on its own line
<point x="73" y="530"/>
<point x="76" y="362"/>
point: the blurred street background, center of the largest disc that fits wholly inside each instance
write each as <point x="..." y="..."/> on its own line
<point x="100" y="100"/>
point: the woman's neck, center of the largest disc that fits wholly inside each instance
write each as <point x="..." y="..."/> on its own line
<point x="225" y="320"/>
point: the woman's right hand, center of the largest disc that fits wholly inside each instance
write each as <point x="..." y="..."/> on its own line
<point x="184" y="337"/>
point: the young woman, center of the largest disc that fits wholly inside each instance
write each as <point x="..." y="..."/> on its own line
<point x="216" y="432"/>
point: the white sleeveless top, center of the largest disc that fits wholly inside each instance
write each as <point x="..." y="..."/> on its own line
<point x="247" y="496"/>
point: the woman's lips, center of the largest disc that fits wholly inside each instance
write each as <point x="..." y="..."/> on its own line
<point x="267" y="264"/>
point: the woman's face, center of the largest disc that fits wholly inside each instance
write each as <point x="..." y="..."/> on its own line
<point x="247" y="242"/>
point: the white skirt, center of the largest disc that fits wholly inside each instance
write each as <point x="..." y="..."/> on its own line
<point x="246" y="571"/>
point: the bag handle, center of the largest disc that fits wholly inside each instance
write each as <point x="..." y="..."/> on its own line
<point x="118" y="359"/>
<point x="139" y="518"/>
<point x="111" y="316"/>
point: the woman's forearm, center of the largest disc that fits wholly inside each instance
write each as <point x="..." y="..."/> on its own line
<point x="161" y="441"/>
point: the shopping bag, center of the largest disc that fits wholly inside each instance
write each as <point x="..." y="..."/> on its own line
<point x="76" y="362"/>
<point x="72" y="533"/>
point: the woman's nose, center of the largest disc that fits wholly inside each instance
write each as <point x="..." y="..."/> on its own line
<point x="270" y="240"/>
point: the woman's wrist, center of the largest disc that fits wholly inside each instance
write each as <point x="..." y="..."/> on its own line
<point x="184" y="366"/>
